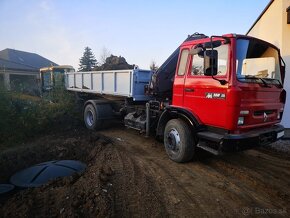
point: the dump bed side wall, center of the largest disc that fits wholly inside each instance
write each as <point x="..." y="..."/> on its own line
<point x="127" y="83"/>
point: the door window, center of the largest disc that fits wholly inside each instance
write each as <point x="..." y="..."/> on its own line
<point x="182" y="62"/>
<point x="197" y="66"/>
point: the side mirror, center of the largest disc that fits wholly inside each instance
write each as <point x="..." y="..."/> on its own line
<point x="210" y="62"/>
<point x="283" y="68"/>
<point x="195" y="51"/>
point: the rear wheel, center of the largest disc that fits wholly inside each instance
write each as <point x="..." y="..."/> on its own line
<point x="178" y="141"/>
<point x="90" y="117"/>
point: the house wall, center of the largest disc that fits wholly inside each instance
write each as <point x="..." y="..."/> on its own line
<point x="273" y="27"/>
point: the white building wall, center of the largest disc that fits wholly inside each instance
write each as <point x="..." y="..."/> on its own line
<point x="273" y="27"/>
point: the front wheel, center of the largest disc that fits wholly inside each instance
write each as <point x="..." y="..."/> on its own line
<point x="178" y="141"/>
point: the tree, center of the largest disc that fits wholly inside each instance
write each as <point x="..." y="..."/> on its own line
<point x="153" y="66"/>
<point x="88" y="61"/>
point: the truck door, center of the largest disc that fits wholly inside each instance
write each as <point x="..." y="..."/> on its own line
<point x="46" y="78"/>
<point x="178" y="87"/>
<point x="203" y="95"/>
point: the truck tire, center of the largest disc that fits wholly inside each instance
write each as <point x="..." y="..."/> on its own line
<point x="178" y="141"/>
<point x="90" y="118"/>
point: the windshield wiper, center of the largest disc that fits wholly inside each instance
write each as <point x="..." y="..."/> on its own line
<point x="258" y="78"/>
<point x="279" y="83"/>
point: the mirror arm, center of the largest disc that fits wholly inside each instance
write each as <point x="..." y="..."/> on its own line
<point x="227" y="39"/>
<point x="222" y="81"/>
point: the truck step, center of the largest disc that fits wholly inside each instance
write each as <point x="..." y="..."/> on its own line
<point x="203" y="146"/>
<point x="210" y="136"/>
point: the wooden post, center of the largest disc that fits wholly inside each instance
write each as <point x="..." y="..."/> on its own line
<point x="7" y="81"/>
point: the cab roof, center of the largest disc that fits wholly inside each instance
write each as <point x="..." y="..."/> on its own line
<point x="56" y="67"/>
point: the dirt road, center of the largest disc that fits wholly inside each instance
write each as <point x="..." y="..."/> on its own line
<point x="210" y="186"/>
<point x="130" y="175"/>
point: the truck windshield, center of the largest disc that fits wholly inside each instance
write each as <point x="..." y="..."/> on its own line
<point x="58" y="76"/>
<point x="257" y="62"/>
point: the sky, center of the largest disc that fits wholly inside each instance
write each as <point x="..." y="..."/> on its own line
<point x="142" y="31"/>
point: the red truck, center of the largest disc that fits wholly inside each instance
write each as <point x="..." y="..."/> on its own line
<point x="219" y="93"/>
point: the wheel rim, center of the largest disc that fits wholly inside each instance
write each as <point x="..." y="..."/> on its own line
<point x="90" y="118"/>
<point x="173" y="140"/>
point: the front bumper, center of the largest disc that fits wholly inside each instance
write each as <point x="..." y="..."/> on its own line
<point x="238" y="142"/>
<point x="251" y="139"/>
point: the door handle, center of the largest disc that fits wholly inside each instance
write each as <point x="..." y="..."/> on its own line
<point x="189" y="89"/>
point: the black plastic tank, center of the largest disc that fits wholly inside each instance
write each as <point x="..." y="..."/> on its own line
<point x="40" y="174"/>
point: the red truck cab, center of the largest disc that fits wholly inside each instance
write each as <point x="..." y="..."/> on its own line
<point x="231" y="88"/>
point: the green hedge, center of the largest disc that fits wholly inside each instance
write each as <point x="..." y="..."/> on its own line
<point x="23" y="117"/>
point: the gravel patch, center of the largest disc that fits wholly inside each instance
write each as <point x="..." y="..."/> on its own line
<point x="281" y="146"/>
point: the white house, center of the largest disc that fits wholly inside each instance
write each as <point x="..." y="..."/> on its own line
<point x="273" y="25"/>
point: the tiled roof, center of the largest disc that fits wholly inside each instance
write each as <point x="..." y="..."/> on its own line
<point x="21" y="60"/>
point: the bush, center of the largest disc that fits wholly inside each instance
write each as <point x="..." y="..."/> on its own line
<point x="24" y="116"/>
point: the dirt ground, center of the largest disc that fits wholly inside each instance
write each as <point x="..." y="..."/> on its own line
<point x="130" y="175"/>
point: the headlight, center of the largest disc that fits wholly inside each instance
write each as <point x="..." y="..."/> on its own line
<point x="240" y="121"/>
<point x="244" y="112"/>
